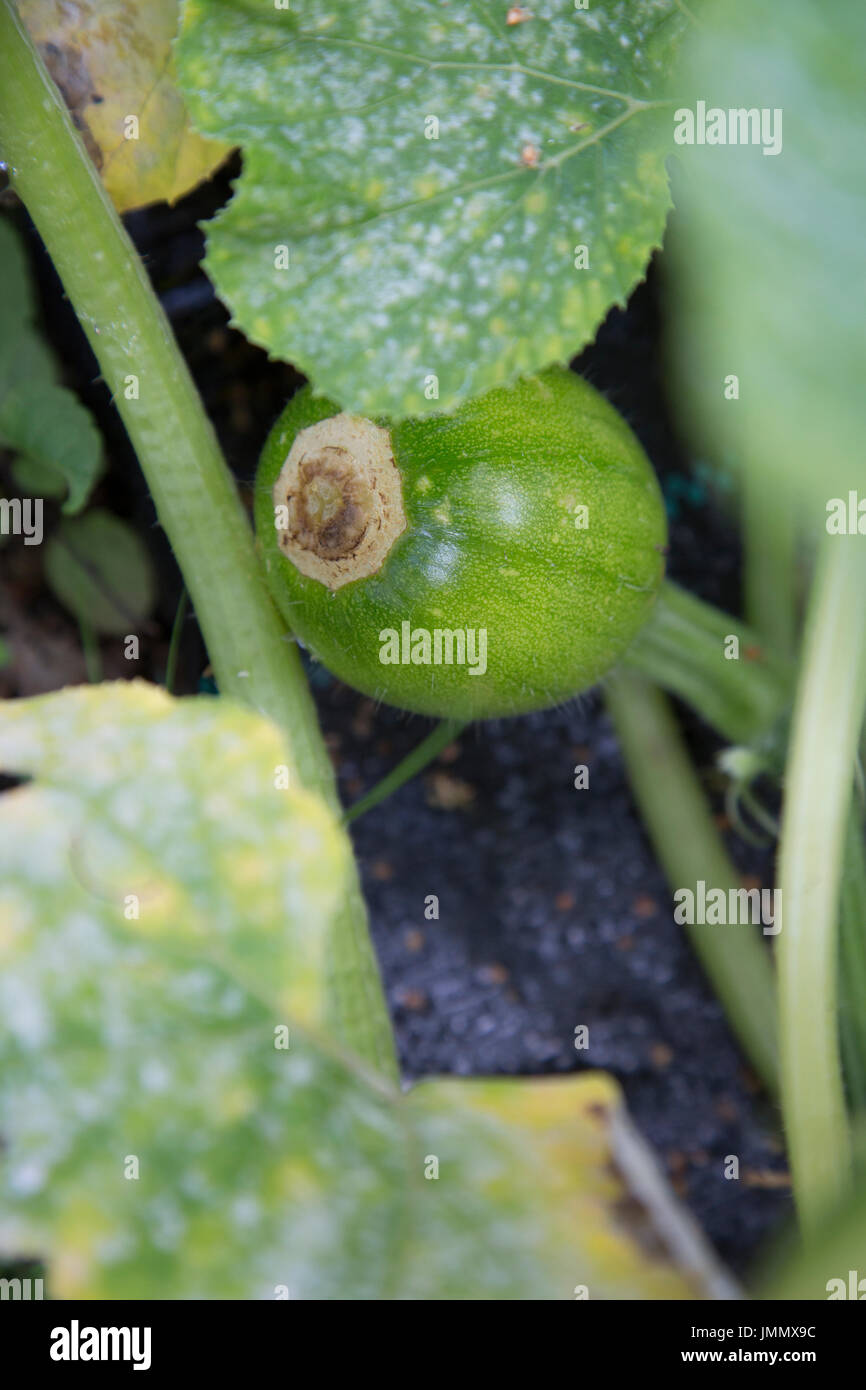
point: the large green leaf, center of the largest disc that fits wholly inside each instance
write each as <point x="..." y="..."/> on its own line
<point x="409" y="257"/>
<point x="768" y="281"/>
<point x="159" y="1143"/>
<point x="59" y="445"/>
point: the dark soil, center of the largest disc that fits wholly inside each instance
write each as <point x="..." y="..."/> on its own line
<point x="553" y="912"/>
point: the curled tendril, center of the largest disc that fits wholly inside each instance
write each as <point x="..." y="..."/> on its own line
<point x="744" y="766"/>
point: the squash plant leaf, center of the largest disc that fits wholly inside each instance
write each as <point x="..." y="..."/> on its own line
<point x="100" y="569"/>
<point x="177" y="1122"/>
<point x="435" y="198"/>
<point x="58" y="447"/>
<point x="113" y="64"/>
<point x="767" y="280"/>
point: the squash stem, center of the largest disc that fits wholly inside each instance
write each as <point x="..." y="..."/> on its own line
<point x="689" y="849"/>
<point x="828" y="715"/>
<point x="195" y="497"/>
<point x="683" y="647"/>
<point x="428" y="749"/>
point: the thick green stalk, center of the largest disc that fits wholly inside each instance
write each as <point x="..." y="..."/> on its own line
<point x="828" y="714"/>
<point x="195" y="497"/>
<point x="689" y="849"/>
<point x="682" y="649"/>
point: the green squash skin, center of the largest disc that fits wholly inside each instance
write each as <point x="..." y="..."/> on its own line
<point x="490" y="494"/>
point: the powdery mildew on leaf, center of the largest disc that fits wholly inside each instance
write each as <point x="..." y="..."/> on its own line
<point x="430" y="173"/>
<point x="175" y="803"/>
<point x="157" y="1144"/>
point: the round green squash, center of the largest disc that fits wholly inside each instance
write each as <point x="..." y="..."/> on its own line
<point x="489" y="562"/>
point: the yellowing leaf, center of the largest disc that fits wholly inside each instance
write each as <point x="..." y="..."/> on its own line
<point x="113" y="62"/>
<point x="558" y="1161"/>
<point x="177" y="1121"/>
